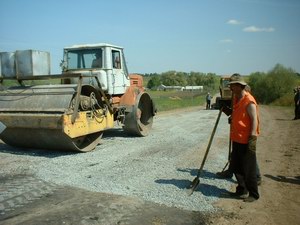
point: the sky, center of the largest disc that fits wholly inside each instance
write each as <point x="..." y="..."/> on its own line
<point x="208" y="36"/>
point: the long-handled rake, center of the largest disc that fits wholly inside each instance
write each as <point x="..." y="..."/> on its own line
<point x="196" y="181"/>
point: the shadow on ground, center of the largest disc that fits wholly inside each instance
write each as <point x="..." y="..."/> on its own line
<point x="284" y="179"/>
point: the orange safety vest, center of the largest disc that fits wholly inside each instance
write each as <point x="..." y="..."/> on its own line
<point x="241" y="122"/>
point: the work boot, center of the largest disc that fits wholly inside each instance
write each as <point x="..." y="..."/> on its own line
<point x="224" y="174"/>
<point x="239" y="194"/>
<point x="259" y="181"/>
<point x="250" y="199"/>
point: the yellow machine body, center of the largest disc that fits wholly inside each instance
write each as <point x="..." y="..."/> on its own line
<point x="87" y="123"/>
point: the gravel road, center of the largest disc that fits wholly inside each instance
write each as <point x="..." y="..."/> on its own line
<point x="155" y="168"/>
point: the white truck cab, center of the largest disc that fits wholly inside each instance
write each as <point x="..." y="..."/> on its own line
<point x="106" y="61"/>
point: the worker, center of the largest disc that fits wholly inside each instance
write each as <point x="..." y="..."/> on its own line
<point x="208" y="100"/>
<point x="297" y="102"/>
<point x="243" y="134"/>
<point x="97" y="62"/>
<point x="229" y="172"/>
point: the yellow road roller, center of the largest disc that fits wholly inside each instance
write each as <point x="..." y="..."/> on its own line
<point x="71" y="110"/>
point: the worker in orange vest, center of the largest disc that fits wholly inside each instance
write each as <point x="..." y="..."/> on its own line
<point x="243" y="134"/>
<point x="229" y="172"/>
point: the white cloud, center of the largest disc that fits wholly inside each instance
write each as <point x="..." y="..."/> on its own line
<point x="226" y="41"/>
<point x="234" y="22"/>
<point x="258" y="29"/>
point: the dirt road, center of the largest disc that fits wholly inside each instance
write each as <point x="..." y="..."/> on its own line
<point x="56" y="188"/>
<point x="279" y="157"/>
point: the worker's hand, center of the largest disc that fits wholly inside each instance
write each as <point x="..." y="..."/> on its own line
<point x="252" y="143"/>
<point x="226" y="110"/>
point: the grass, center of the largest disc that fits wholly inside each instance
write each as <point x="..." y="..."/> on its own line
<point x="169" y="100"/>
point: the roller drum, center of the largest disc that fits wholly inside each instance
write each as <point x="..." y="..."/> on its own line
<point x="33" y="117"/>
<point x="139" y="121"/>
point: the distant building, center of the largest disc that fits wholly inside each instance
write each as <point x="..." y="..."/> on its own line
<point x="192" y="88"/>
<point x="179" y="88"/>
<point x="169" y="88"/>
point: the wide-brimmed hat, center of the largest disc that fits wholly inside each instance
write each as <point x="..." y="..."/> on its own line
<point x="237" y="79"/>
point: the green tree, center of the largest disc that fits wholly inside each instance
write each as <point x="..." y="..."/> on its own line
<point x="273" y="85"/>
<point x="154" y="82"/>
<point x="173" y="78"/>
<point x="192" y="79"/>
<point x="257" y="82"/>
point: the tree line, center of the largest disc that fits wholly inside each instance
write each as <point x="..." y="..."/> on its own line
<point x="274" y="86"/>
<point x="269" y="87"/>
<point x="174" y="78"/>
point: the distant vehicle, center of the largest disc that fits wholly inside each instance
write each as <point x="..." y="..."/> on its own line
<point x="225" y="93"/>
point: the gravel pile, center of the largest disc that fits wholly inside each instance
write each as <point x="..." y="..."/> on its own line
<point x="156" y="168"/>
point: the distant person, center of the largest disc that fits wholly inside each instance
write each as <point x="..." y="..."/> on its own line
<point x="297" y="102"/>
<point x="97" y="62"/>
<point x="208" y="100"/>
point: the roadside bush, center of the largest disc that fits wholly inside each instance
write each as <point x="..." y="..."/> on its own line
<point x="275" y="85"/>
<point x="285" y="100"/>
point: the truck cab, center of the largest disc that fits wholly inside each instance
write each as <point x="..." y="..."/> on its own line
<point x="225" y="93"/>
<point x="106" y="61"/>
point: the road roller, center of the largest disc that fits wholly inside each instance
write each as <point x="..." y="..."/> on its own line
<point x="70" y="111"/>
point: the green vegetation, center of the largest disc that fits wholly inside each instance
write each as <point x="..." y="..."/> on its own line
<point x="168" y="100"/>
<point x="275" y="87"/>
<point x="172" y="78"/>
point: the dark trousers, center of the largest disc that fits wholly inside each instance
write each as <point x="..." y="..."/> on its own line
<point x="244" y="168"/>
<point x="297" y="111"/>
<point x="207" y="104"/>
<point x="258" y="174"/>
